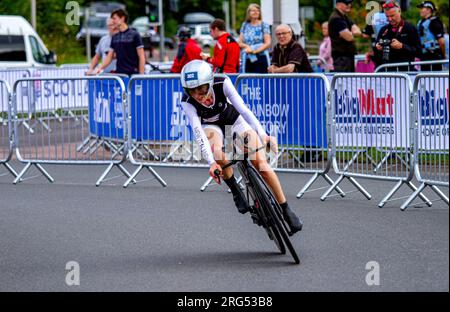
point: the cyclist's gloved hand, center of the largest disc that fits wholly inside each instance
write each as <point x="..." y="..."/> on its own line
<point x="213" y="169"/>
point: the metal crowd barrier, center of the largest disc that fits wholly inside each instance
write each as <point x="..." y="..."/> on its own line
<point x="6" y="131"/>
<point x="10" y="75"/>
<point x="72" y="71"/>
<point x="431" y="140"/>
<point x="105" y="103"/>
<point x="98" y="137"/>
<point x="157" y="68"/>
<point x="159" y="134"/>
<point x="371" y="117"/>
<point x="77" y="65"/>
<point x="291" y="107"/>
<point x="413" y="67"/>
<point x="318" y="63"/>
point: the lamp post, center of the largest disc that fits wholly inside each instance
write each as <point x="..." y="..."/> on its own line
<point x="33" y="13"/>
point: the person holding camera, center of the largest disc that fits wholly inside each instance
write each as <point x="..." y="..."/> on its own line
<point x="398" y="41"/>
<point x="431" y="32"/>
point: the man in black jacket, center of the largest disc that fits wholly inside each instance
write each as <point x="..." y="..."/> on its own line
<point x="342" y="34"/>
<point x="398" y="41"/>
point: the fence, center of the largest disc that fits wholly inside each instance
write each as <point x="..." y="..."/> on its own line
<point x="58" y="142"/>
<point x="431" y="140"/>
<point x="413" y="67"/>
<point x="292" y="107"/>
<point x="368" y="130"/>
<point x="6" y="132"/>
<point x="318" y="64"/>
<point x="159" y="133"/>
<point x="371" y="118"/>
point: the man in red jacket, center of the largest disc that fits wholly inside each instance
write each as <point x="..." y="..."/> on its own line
<point x="226" y="50"/>
<point x="188" y="50"/>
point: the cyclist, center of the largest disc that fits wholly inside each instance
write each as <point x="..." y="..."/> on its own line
<point x="211" y="103"/>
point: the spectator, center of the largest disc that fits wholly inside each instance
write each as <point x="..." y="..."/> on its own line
<point x="372" y="29"/>
<point x="325" y="49"/>
<point x="288" y="55"/>
<point x="342" y="33"/>
<point x="103" y="48"/>
<point x="398" y="41"/>
<point x="188" y="50"/>
<point x="431" y="33"/>
<point x="226" y="51"/>
<point x="127" y="45"/>
<point x="255" y="40"/>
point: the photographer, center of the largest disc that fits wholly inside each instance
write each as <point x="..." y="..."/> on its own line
<point x="398" y="41"/>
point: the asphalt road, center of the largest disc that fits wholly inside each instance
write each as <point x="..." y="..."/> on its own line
<point x="150" y="238"/>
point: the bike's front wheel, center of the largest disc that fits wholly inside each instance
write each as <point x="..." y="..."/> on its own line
<point x="271" y="209"/>
<point x="271" y="230"/>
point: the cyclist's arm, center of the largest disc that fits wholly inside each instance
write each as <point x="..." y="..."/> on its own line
<point x="199" y="134"/>
<point x="237" y="101"/>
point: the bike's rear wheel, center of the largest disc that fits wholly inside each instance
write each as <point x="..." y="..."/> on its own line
<point x="270" y="206"/>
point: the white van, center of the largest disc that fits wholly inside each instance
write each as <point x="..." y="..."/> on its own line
<point x="21" y="46"/>
<point x="201" y="33"/>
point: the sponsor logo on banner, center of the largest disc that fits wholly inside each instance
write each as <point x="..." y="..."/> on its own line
<point x="178" y="120"/>
<point x="365" y="108"/>
<point x="372" y="112"/>
<point x="118" y="111"/>
<point x="60" y="93"/>
<point x="273" y="117"/>
<point x="433" y="109"/>
<point x="101" y="109"/>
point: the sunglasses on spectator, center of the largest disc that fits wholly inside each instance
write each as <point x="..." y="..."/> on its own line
<point x="390" y="5"/>
<point x="282" y="33"/>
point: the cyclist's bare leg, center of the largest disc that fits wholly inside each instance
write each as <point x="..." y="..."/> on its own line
<point x="216" y="142"/>
<point x="259" y="160"/>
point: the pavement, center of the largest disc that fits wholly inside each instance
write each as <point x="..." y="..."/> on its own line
<point x="152" y="238"/>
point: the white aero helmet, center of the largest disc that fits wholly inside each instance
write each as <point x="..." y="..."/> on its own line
<point x="196" y="73"/>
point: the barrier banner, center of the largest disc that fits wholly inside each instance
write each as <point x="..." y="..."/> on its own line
<point x="292" y="108"/>
<point x="73" y="93"/>
<point x="433" y="116"/>
<point x="106" y="115"/>
<point x="372" y="111"/>
<point x="11" y="76"/>
<point x="156" y="113"/>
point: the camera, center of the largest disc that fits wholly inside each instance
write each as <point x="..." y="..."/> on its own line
<point x="386" y="44"/>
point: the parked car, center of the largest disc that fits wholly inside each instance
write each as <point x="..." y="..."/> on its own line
<point x="149" y="34"/>
<point x="21" y="46"/>
<point x="97" y="29"/>
<point x="141" y="24"/>
<point x="198" y="18"/>
<point x="105" y="7"/>
<point x="200" y="32"/>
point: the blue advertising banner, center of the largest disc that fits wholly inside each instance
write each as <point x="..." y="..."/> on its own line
<point x="156" y="113"/>
<point x="106" y="115"/>
<point x="292" y="108"/>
